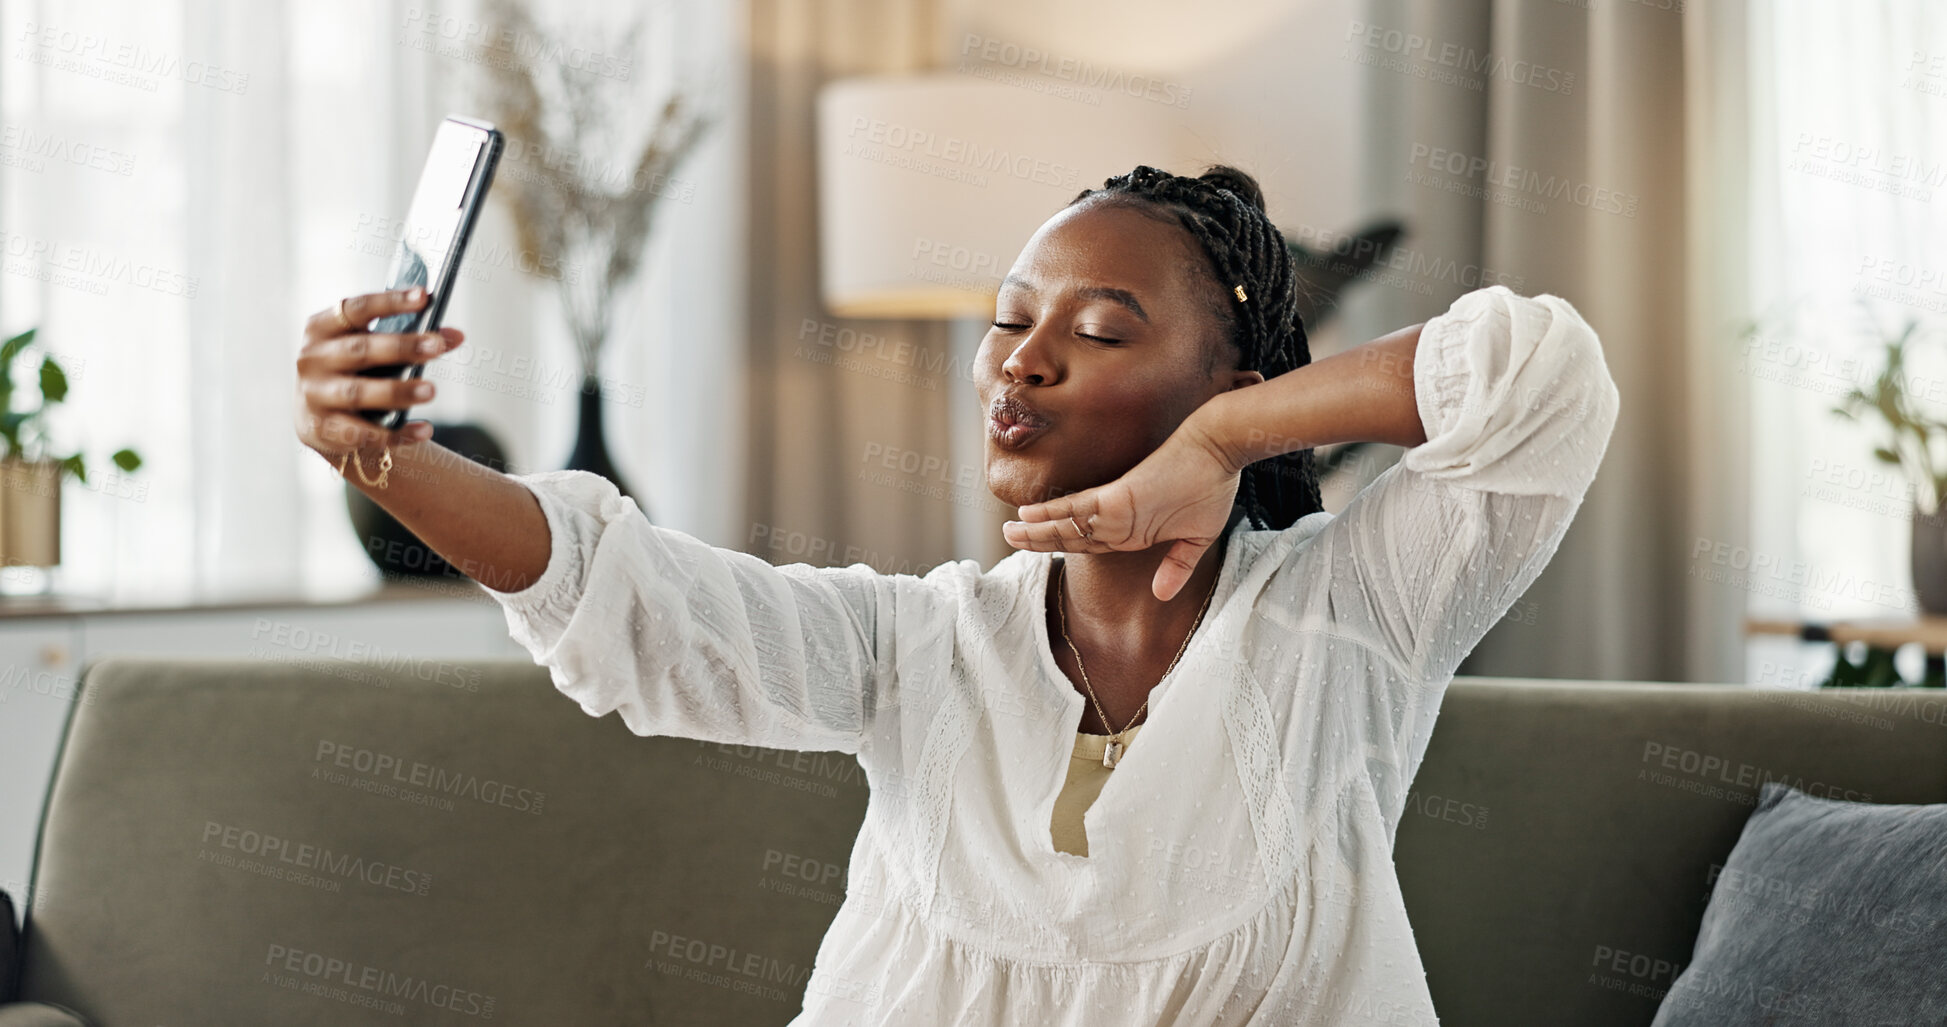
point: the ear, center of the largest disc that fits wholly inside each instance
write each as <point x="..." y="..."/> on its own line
<point x="1240" y="379"/>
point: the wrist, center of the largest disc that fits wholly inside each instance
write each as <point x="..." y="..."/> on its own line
<point x="1211" y="427"/>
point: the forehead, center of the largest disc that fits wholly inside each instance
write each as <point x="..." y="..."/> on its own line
<point x="1108" y="243"/>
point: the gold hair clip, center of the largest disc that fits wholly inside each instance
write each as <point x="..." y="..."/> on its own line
<point x="1239" y="290"/>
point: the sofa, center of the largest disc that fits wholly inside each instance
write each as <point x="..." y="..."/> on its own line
<point x="240" y="842"/>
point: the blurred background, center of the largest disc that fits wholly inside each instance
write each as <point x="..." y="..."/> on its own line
<point x="1745" y="200"/>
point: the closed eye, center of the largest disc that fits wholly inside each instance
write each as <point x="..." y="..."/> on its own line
<point x="1008" y="326"/>
<point x="1005" y="326"/>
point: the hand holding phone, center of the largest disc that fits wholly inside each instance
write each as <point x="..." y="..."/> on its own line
<point x="331" y="392"/>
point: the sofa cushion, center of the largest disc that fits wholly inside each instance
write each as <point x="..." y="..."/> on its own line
<point x="1826" y="911"/>
<point x="327" y="843"/>
<point x="40" y="1014"/>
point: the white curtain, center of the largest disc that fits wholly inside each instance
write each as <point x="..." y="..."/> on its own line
<point x="1849" y="189"/>
<point x="182" y="181"/>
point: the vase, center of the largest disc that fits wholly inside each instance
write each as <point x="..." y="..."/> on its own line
<point x="30" y="525"/>
<point x="397" y="552"/>
<point x="1930" y="560"/>
<point x="591" y="448"/>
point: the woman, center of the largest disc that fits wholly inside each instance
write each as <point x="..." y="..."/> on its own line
<point x="1146" y="769"/>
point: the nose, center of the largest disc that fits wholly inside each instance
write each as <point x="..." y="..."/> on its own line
<point x="1029" y="363"/>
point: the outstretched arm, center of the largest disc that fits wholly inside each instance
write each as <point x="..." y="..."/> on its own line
<point x="687" y="639"/>
<point x="475" y="518"/>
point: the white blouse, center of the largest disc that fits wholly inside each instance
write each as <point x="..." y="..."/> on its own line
<point x="1240" y="858"/>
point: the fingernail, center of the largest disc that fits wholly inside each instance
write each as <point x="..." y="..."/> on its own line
<point x="421" y="391"/>
<point x="428" y="345"/>
<point x="415" y="294"/>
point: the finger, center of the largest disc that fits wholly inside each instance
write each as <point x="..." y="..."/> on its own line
<point x="1068" y="523"/>
<point x="360" y="310"/>
<point x="416" y="431"/>
<point x="357" y="392"/>
<point x="354" y="350"/>
<point x="1081" y="505"/>
<point x="1176" y="568"/>
<point x="1049" y="537"/>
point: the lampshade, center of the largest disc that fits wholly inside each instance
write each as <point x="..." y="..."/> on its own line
<point x="1106" y="38"/>
<point x="929" y="185"/>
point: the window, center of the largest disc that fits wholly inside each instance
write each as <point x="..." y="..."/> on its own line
<point x="1850" y="240"/>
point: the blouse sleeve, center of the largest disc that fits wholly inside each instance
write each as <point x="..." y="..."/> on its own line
<point x="696" y="641"/>
<point x="1517" y="405"/>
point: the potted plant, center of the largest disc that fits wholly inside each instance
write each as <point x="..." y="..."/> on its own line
<point x="1910" y="448"/>
<point x="31" y="471"/>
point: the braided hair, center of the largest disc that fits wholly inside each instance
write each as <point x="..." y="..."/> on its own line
<point x="1223" y="210"/>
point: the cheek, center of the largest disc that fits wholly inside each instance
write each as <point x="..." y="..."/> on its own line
<point x="1128" y="400"/>
<point x="985" y="366"/>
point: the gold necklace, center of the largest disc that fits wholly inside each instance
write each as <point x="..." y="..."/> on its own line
<point x="1112" y="751"/>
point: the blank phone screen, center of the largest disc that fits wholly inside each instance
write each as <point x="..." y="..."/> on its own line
<point x="427" y="236"/>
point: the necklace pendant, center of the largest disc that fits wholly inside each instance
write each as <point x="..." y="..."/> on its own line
<point x="1111" y="752"/>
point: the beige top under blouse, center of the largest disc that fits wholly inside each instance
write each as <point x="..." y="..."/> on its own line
<point x="1086" y="776"/>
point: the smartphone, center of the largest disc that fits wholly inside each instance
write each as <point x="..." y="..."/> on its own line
<point x="452" y="188"/>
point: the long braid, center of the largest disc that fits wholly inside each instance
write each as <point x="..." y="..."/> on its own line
<point x="1223" y="209"/>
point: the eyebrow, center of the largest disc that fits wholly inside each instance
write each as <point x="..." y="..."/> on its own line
<point x="1089" y="292"/>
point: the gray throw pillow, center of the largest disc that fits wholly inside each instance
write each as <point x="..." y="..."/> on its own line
<point x="1827" y="912"/>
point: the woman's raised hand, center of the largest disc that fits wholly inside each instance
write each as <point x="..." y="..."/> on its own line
<point x="1183" y="492"/>
<point x="330" y="391"/>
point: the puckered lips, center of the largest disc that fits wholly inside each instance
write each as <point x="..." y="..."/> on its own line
<point x="1013" y="422"/>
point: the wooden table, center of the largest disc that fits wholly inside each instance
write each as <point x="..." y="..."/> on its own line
<point x="1881" y="635"/>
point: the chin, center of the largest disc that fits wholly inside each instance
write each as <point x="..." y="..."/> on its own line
<point x="1023" y="486"/>
<point x="1014" y="486"/>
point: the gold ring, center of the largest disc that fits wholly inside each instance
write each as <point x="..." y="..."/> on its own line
<point x="341" y="314"/>
<point x="1078" y="527"/>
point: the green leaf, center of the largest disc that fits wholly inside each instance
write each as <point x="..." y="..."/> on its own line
<point x="12" y="347"/>
<point x="126" y="459"/>
<point x="54" y="382"/>
<point x="74" y="466"/>
<point x="8" y="350"/>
